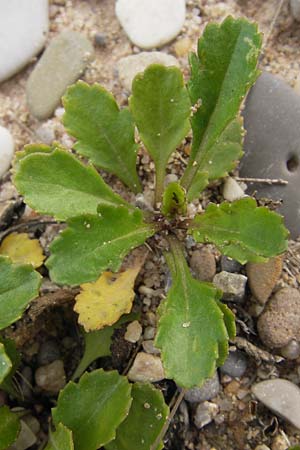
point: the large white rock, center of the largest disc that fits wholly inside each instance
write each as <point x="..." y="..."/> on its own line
<point x="151" y="23"/>
<point x="6" y="150"/>
<point x="129" y="66"/>
<point x="23" y="31"/>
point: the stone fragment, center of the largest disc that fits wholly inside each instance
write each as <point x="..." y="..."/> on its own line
<point x="61" y="64"/>
<point x="263" y="277"/>
<point x="291" y="350"/>
<point x="145" y="368"/>
<point x="230" y="265"/>
<point x="262" y="447"/>
<point x="232" y="285"/>
<point x="52" y="377"/>
<point x="232" y="190"/>
<point x="48" y="352"/>
<point x="45" y="133"/>
<point x="205" y="413"/>
<point x="209" y="390"/>
<point x="149" y="333"/>
<point x="235" y="364"/>
<point x="26" y="438"/>
<point x="182" y="47"/>
<point x="24" y="28"/>
<point x="280" y="396"/>
<point x="101" y="39"/>
<point x="295" y="9"/>
<point x="280" y="321"/>
<point x="150" y="24"/>
<point x="129" y="66"/>
<point x="6" y="149"/>
<point x="203" y="264"/>
<point x="149" y="347"/>
<point x="272" y="145"/>
<point x="133" y="332"/>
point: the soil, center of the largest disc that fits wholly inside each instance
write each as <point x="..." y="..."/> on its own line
<point x="242" y="423"/>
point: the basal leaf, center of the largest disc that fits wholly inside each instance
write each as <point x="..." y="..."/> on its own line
<point x="19" y="284"/>
<point x="223" y="70"/>
<point x="242" y="230"/>
<point x="150" y="411"/>
<point x="94" y="243"/>
<point x="9" y="427"/>
<point x="10" y="349"/>
<point x="174" y="201"/>
<point x="192" y="323"/>
<point x="103" y="302"/>
<point x="21" y="249"/>
<point x="105" y="134"/>
<point x="58" y="184"/>
<point x="93" y="408"/>
<point x="161" y="109"/>
<point x="5" y="363"/>
<point x="61" y="439"/>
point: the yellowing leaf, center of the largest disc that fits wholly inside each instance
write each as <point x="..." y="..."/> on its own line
<point x="21" y="249"/>
<point x="103" y="302"/>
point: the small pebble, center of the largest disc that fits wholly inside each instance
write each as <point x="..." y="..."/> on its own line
<point x="203" y="264"/>
<point x="209" y="390"/>
<point x="6" y="150"/>
<point x="280" y="321"/>
<point x="182" y="47"/>
<point x="133" y="332"/>
<point x="279" y="443"/>
<point x="262" y="447"/>
<point x="280" y="396"/>
<point x="205" y="413"/>
<point x="145" y="368"/>
<point x="235" y="364"/>
<point x="291" y="350"/>
<point x="48" y="352"/>
<point x="230" y="265"/>
<point x="232" y="190"/>
<point x="26" y="382"/>
<point x="149" y="347"/>
<point x="101" y="39"/>
<point x="51" y="378"/>
<point x="32" y="422"/>
<point x="295" y="9"/>
<point x="45" y="133"/>
<point x="150" y="24"/>
<point x="129" y="66"/>
<point x="263" y="277"/>
<point x="149" y="333"/>
<point x="232" y="285"/>
<point x="26" y="438"/>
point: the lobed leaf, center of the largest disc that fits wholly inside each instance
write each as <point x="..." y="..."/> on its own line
<point x="94" y="243"/>
<point x="19" y="284"/>
<point x="105" y="134"/>
<point x="5" y="363"/>
<point x="242" y="230"/>
<point x="223" y="70"/>
<point x="58" y="184"/>
<point x="161" y="109"/>
<point x="23" y="250"/>
<point x="9" y="427"/>
<point x="148" y="409"/>
<point x="192" y="323"/>
<point x="61" y="439"/>
<point x="93" y="408"/>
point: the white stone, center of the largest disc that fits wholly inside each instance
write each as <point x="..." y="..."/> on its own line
<point x="6" y="150"/>
<point x="146" y="367"/>
<point x="151" y="23"/>
<point x="232" y="190"/>
<point x="24" y="28"/>
<point x="295" y="9"/>
<point x="129" y="66"/>
<point x="133" y="332"/>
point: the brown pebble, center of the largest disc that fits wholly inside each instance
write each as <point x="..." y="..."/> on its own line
<point x="263" y="277"/>
<point x="182" y="47"/>
<point x="203" y="264"/>
<point x="232" y="387"/>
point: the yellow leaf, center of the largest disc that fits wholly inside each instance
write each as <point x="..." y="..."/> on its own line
<point x="21" y="249"/>
<point x="103" y="302"/>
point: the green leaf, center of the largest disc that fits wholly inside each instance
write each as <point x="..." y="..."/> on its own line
<point x="58" y="184"/>
<point x="93" y="408"/>
<point x="5" y="363"/>
<point x="242" y="230"/>
<point x="161" y="109"/>
<point x="174" y="201"/>
<point x="19" y="284"/>
<point x="15" y="359"/>
<point x="105" y="134"/>
<point x="97" y="344"/>
<point x="294" y="447"/>
<point x="61" y="439"/>
<point x="9" y="427"/>
<point x="150" y="411"/>
<point x="192" y="323"/>
<point x="103" y="239"/>
<point x="221" y="74"/>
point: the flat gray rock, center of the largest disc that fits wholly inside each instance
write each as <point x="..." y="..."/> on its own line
<point x="24" y="28"/>
<point x="61" y="64"/>
<point x="272" y="145"/>
<point x="280" y="396"/>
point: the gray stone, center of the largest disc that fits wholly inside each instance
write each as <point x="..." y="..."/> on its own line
<point x="209" y="390"/>
<point x="203" y="264"/>
<point x="26" y="438"/>
<point x="232" y="285"/>
<point x="6" y="149"/>
<point x="52" y="377"/>
<point x="205" y="413"/>
<point x="45" y="133"/>
<point x="295" y="9"/>
<point x="129" y="66"/>
<point x="148" y="347"/>
<point x="101" y="39"/>
<point x="235" y="364"/>
<point x="291" y="350"/>
<point x="230" y="265"/>
<point x="232" y="190"/>
<point x="150" y="24"/>
<point x="24" y="28"/>
<point x="61" y="64"/>
<point x="149" y="333"/>
<point x="272" y="145"/>
<point x="145" y="368"/>
<point x="48" y="352"/>
<point x="280" y="396"/>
